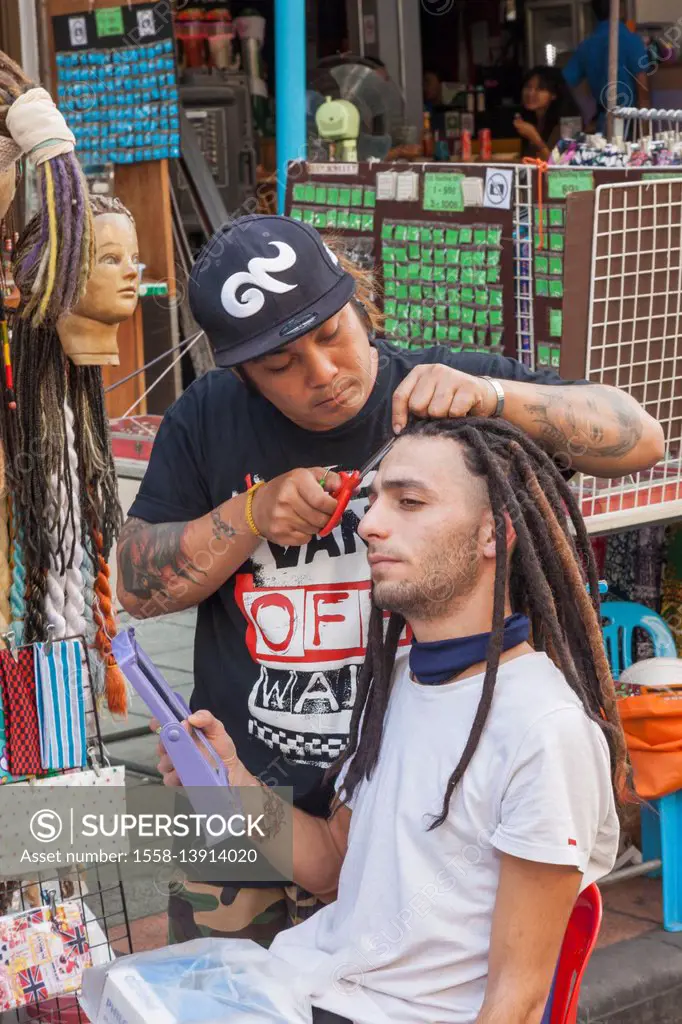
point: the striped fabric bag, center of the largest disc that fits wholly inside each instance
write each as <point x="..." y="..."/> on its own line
<point x="61" y="704"/>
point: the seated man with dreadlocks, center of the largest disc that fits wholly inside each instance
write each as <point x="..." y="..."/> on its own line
<point x="478" y="792"/>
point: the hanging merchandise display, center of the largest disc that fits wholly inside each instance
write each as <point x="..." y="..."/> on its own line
<point x="44" y="711"/>
<point x="441" y="240"/>
<point x="65" y="511"/>
<point x="22" y="735"/>
<point x="595" y="151"/>
<point x="58" y="518"/>
<point x="42" y="954"/>
<point x="116" y="79"/>
<point x="60" y="699"/>
<point x="642" y="138"/>
<point x="58" y="499"/>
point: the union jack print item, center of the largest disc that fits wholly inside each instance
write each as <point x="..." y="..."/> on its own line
<point x="41" y="955"/>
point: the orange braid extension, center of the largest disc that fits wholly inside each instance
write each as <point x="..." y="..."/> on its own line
<point x="115" y="686"/>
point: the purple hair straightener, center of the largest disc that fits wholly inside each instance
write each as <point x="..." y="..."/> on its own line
<point x="170" y="709"/>
<point x="194" y="768"/>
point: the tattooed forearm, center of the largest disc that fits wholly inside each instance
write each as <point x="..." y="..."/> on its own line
<point x="586" y="421"/>
<point x="151" y="558"/>
<point x="170" y="566"/>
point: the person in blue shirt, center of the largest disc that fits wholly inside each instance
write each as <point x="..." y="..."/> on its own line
<point x="590" y="64"/>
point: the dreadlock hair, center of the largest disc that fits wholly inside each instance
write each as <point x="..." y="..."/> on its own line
<point x="43" y="476"/>
<point x="59" y="259"/>
<point x="549" y="572"/>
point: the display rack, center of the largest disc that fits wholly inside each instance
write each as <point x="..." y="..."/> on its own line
<point x="625" y="330"/>
<point x="634" y="123"/>
<point x="523" y="265"/>
<point x="445" y="254"/>
<point x="560" y="299"/>
<point x="532" y="216"/>
<point x="97" y="892"/>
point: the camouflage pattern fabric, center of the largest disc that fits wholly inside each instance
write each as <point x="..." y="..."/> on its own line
<point x="200" y="910"/>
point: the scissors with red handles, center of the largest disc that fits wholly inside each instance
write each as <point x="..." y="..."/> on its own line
<point x="350" y="483"/>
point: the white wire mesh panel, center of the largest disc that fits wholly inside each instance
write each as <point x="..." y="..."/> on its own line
<point x="523" y="265"/>
<point x="634" y="338"/>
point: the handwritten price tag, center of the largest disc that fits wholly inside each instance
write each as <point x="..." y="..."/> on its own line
<point x="562" y="183"/>
<point x="443" y="192"/>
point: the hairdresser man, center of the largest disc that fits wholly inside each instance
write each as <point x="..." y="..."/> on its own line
<point x="229" y="512"/>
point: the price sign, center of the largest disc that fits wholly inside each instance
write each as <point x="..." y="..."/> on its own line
<point x="562" y="183"/>
<point x="443" y="193"/>
<point x="109" y="21"/>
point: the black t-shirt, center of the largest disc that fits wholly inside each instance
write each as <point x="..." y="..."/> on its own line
<point x="278" y="646"/>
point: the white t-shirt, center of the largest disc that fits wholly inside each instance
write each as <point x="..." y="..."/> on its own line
<point x="407" y="939"/>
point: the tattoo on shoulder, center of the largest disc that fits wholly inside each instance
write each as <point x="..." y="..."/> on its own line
<point x="580" y="424"/>
<point x="151" y="557"/>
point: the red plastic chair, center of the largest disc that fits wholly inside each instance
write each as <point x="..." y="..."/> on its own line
<point x="579" y="941"/>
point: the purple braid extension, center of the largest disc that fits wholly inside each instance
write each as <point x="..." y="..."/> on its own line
<point x="67" y="265"/>
<point x="38" y="249"/>
<point x="78" y="215"/>
<point x="64" y="256"/>
<point x="34" y="300"/>
<point x="75" y="218"/>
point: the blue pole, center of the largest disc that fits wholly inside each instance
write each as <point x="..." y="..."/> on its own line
<point x="290" y="90"/>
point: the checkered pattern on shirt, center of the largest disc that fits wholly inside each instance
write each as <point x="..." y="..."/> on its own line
<point x="313" y="749"/>
<point x="21" y="714"/>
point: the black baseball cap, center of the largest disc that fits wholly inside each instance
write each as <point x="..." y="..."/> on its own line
<point x="261" y="282"/>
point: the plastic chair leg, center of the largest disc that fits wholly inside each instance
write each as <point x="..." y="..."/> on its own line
<point x="651" y="834"/>
<point x="670" y="807"/>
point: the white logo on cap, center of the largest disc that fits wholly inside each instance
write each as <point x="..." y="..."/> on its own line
<point x="332" y="255"/>
<point x="259" y="273"/>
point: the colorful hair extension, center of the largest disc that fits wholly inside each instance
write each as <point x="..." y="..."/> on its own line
<point x="75" y="601"/>
<point x="5" y="569"/>
<point x="64" y="246"/>
<point x="53" y="244"/>
<point x="55" y="597"/>
<point x="17" y="594"/>
<point x="97" y="666"/>
<point x="66" y="605"/>
<point x="60" y="468"/>
<point x="115" y="686"/>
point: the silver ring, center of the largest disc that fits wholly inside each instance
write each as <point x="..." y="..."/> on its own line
<point x="324" y="476"/>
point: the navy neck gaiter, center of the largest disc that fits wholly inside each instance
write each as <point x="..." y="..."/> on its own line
<point x="439" y="660"/>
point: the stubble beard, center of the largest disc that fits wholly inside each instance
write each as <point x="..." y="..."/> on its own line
<point x="448" y="575"/>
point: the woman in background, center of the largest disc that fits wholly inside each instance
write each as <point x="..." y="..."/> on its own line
<point x="546" y="98"/>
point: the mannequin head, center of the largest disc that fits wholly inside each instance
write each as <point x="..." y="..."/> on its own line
<point x="111" y="292"/>
<point x="112" y="289"/>
<point x="88" y="331"/>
